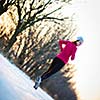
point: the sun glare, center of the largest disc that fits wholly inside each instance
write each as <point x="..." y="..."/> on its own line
<point x="87" y="64"/>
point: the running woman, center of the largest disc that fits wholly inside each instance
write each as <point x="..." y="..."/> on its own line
<point x="66" y="52"/>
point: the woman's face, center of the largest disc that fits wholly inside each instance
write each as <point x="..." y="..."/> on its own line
<point x="78" y="43"/>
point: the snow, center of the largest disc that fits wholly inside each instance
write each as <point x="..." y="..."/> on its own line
<point x="16" y="85"/>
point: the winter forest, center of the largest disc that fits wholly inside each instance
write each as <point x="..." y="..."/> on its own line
<point x="29" y="34"/>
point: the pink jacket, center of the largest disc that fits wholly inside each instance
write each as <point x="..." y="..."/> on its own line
<point x="69" y="50"/>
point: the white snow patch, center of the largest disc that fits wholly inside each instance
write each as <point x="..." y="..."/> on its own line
<point x="16" y="85"/>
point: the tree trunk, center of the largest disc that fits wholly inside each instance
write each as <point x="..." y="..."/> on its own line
<point x="13" y="39"/>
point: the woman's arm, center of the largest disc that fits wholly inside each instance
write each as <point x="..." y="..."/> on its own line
<point x="62" y="42"/>
<point x="73" y="54"/>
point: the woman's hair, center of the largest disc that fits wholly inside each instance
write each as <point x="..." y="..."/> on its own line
<point x="75" y="42"/>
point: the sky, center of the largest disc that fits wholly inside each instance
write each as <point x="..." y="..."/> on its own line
<point x="87" y="19"/>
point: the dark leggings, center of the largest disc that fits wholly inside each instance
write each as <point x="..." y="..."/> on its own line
<point x="56" y="65"/>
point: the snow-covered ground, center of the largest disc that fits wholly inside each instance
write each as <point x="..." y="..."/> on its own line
<point x="16" y="85"/>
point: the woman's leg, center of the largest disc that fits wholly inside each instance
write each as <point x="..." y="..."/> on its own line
<point x="56" y="65"/>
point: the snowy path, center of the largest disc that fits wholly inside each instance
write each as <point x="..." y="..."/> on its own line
<point x="16" y="85"/>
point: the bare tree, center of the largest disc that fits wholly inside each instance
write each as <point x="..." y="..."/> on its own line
<point x="29" y="13"/>
<point x="4" y="4"/>
<point x="38" y="43"/>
